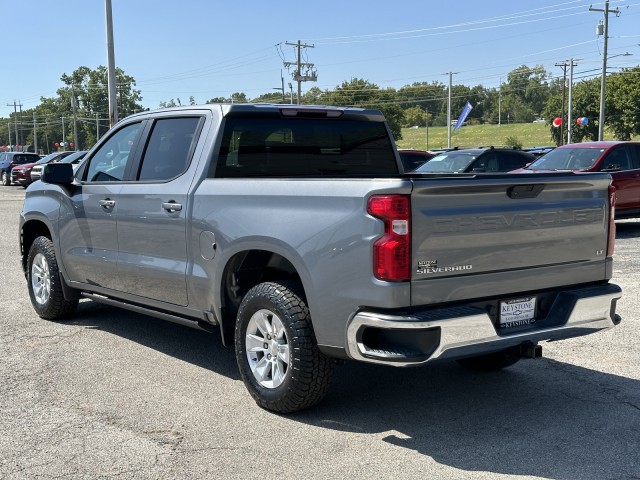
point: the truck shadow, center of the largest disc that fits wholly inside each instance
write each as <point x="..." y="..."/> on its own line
<point x="542" y="418"/>
<point x="200" y="348"/>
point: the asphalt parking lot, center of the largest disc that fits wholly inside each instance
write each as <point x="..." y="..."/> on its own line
<point x="113" y="394"/>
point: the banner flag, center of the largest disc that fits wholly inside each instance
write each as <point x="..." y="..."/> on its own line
<point x="463" y="116"/>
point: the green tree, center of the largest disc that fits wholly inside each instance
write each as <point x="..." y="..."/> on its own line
<point x="315" y="96"/>
<point x="427" y="96"/>
<point x="271" y="97"/>
<point x="89" y="89"/>
<point x="622" y="114"/>
<point x="415" y="116"/>
<point x="586" y="103"/>
<point x="527" y="90"/>
<point x="219" y="100"/>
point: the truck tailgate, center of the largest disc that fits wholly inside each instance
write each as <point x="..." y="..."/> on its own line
<point x="500" y="235"/>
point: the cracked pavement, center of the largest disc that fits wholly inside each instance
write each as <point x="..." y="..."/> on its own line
<point x="113" y="394"/>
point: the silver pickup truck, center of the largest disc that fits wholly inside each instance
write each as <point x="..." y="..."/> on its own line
<point x="294" y="232"/>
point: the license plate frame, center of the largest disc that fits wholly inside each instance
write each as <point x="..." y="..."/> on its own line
<point x="516" y="312"/>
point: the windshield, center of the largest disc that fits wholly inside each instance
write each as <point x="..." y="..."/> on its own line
<point x="48" y="158"/>
<point x="74" y="157"/>
<point x="449" y="162"/>
<point x="567" y="159"/>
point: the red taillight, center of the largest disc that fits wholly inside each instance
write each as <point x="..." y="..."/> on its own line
<point x="392" y="251"/>
<point x="612" y="224"/>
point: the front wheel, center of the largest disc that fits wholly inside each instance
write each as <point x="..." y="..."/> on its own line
<point x="276" y="349"/>
<point x="6" y="179"/>
<point x="43" y="277"/>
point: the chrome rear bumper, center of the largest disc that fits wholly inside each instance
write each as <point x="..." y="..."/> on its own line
<point x="454" y="332"/>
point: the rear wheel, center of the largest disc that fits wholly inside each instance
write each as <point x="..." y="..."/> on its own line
<point x="276" y="349"/>
<point x="45" y="288"/>
<point x="491" y="361"/>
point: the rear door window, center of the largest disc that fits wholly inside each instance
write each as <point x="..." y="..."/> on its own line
<point x="169" y="149"/>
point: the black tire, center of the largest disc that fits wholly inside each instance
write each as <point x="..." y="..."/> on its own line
<point x="491" y="362"/>
<point x="43" y="281"/>
<point x="6" y="178"/>
<point x="286" y="386"/>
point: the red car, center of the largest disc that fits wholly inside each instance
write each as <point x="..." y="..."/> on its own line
<point x="22" y="173"/>
<point x="620" y="159"/>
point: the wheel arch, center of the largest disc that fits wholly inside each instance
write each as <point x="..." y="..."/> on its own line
<point x="31" y="230"/>
<point x="244" y="270"/>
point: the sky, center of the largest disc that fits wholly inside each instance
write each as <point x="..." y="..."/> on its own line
<point x="209" y="48"/>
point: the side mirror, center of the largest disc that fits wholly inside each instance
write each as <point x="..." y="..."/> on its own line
<point x="58" y="173"/>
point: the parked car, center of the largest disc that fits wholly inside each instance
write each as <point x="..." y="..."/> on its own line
<point x="22" y="173"/>
<point x="477" y="160"/>
<point x="8" y="160"/>
<point x="74" y="159"/>
<point x="412" y="159"/>
<point x="539" y="120"/>
<point x="620" y="159"/>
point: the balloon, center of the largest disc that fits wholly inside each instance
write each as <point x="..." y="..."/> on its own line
<point x="57" y="144"/>
<point x="557" y="122"/>
<point x="579" y="120"/>
<point x="585" y="121"/>
<point x="71" y="144"/>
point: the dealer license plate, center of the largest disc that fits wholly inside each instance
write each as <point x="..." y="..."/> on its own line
<point x="517" y="312"/>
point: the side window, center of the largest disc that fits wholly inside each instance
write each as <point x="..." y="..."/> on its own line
<point x="109" y="163"/>
<point x="168" y="150"/>
<point x="513" y="161"/>
<point x="635" y="159"/>
<point x="619" y="159"/>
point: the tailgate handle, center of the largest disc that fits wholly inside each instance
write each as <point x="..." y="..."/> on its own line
<point x="525" y="191"/>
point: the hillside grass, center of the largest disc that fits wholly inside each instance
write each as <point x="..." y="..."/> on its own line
<point x="528" y="134"/>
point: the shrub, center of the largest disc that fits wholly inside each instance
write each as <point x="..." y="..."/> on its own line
<point x="513" y="142"/>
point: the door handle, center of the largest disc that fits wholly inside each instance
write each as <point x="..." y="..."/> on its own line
<point x="172" y="206"/>
<point x="107" y="203"/>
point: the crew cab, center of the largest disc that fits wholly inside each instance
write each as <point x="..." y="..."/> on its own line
<point x="294" y="231"/>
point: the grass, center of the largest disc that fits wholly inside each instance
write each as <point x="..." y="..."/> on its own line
<point x="528" y="134"/>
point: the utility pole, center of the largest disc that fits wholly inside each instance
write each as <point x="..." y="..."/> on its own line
<point x="500" y="104"/>
<point x="564" y="66"/>
<point x="111" y="70"/>
<point x="570" y="108"/>
<point x="281" y="88"/>
<point x="15" y="118"/>
<point x="310" y="73"/>
<point x="426" y="117"/>
<point x="63" y="139"/>
<point x="603" y="81"/>
<point x="75" y="118"/>
<point x="449" y="110"/>
<point x="35" y="134"/>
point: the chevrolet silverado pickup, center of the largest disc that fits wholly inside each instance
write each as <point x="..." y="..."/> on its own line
<point x="295" y="233"/>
